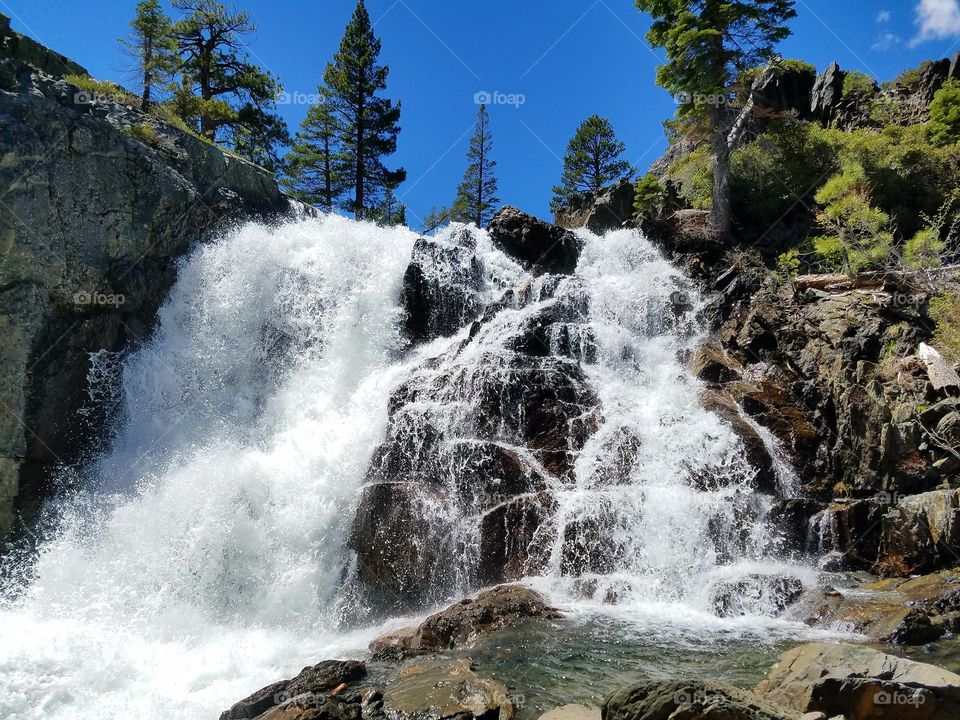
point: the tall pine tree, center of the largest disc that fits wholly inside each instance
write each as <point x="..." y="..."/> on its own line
<point x="231" y="99"/>
<point x="368" y="124"/>
<point x="477" y="194"/>
<point x="153" y="48"/>
<point x="710" y="44"/>
<point x="591" y="162"/>
<point x="317" y="171"/>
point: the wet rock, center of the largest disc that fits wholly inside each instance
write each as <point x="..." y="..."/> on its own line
<point x="860" y="684"/>
<point x="756" y="594"/>
<point x="507" y="534"/>
<point x="440" y="288"/>
<point x="850" y="528"/>
<point x="755" y="449"/>
<point x="460" y="624"/>
<point x="442" y="689"/>
<point x="922" y="532"/>
<point x="542" y="247"/>
<point x="311" y="689"/>
<point x="664" y="700"/>
<point x="916" y="628"/>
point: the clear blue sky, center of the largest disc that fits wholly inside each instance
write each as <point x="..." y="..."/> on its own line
<point x="568" y="58"/>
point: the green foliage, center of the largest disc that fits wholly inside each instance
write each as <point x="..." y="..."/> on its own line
<point x="860" y="236"/>
<point x="779" y="171"/>
<point x="592" y="161"/>
<point x="144" y="132"/>
<point x="317" y="167"/>
<point x="648" y="196"/>
<point x="693" y="176"/>
<point x="367" y="123"/>
<point x="94" y="89"/>
<point x="858" y="86"/>
<point x="226" y="96"/>
<point x="909" y="80"/>
<point x="788" y="264"/>
<point x="389" y="211"/>
<point x="945" y="312"/>
<point x="923" y="250"/>
<point x="439" y="216"/>
<point x="800" y="66"/>
<point x="477" y="193"/>
<point x="154" y="50"/>
<point x="945" y="114"/>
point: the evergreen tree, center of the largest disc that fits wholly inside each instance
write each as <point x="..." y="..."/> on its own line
<point x="477" y="194"/>
<point x="231" y="99"/>
<point x="368" y="123"/>
<point x="389" y="211"/>
<point x="591" y="162"/>
<point x="154" y="49"/>
<point x="710" y="44"/>
<point x="316" y="166"/>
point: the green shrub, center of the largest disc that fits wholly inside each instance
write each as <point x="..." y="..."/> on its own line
<point x="909" y="80"/>
<point x="924" y="250"/>
<point x="858" y="86"/>
<point x="102" y="89"/>
<point x="798" y="66"/>
<point x="945" y="312"/>
<point x="693" y="175"/>
<point x="144" y="132"/>
<point x="944" y="126"/>
<point x="648" y="196"/>
<point x="859" y="235"/>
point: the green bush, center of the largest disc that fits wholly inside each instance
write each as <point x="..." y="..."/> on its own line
<point x="859" y="235"/>
<point x="145" y="133"/>
<point x="798" y="66"/>
<point x="648" y="196"/>
<point x="944" y="123"/>
<point x="909" y="80"/>
<point x="924" y="250"/>
<point x="945" y="312"/>
<point x="102" y="89"/>
<point x="858" y="86"/>
<point x="693" y="175"/>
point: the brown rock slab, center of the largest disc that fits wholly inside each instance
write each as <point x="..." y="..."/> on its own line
<point x="436" y="689"/>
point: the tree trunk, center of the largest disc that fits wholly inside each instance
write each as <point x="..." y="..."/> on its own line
<point x="721" y="214"/>
<point x="147" y="74"/>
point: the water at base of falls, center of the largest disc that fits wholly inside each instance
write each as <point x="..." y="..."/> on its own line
<point x="204" y="554"/>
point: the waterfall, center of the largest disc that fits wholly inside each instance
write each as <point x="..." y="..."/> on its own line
<point x="210" y="550"/>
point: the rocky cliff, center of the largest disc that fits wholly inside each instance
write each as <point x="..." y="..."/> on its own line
<point x="97" y="200"/>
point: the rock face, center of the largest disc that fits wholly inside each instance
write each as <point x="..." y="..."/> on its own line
<point x="608" y="209"/>
<point x="459" y="489"/>
<point x="665" y="700"/>
<point x="460" y="624"/>
<point x="91" y="223"/>
<point x="860" y="684"/>
<point x="826" y="93"/>
<point x="542" y="247"/>
<point x="321" y="689"/>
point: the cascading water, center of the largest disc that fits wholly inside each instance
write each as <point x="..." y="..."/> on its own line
<point x="206" y="554"/>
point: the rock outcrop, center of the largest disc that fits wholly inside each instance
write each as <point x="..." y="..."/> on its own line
<point x="697" y="700"/>
<point x="609" y="209"/>
<point x="98" y="202"/>
<point x="860" y="684"/>
<point x="541" y="247"/>
<point x="460" y="624"/>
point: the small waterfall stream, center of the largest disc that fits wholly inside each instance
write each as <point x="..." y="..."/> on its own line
<point x="208" y="552"/>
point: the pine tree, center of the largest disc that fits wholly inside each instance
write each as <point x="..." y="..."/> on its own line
<point x="316" y="166"/>
<point x="477" y="194"/>
<point x="388" y="211"/>
<point x="710" y="45"/>
<point x="369" y="124"/>
<point x="154" y="49"/>
<point x="591" y="162"/>
<point x="231" y="99"/>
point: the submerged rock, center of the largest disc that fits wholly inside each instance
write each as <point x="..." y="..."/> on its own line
<point x="442" y="689"/>
<point x="460" y="624"/>
<point x="860" y="684"/>
<point x="542" y="247"/>
<point x="756" y="594"/>
<point x="696" y="700"/>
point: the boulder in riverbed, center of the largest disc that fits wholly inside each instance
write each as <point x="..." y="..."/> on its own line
<point x="460" y="624"/>
<point x="445" y="689"/>
<point x="542" y="247"/>
<point x="696" y="700"/>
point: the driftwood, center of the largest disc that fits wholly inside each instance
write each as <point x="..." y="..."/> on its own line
<point x="942" y="374"/>
<point x="898" y="279"/>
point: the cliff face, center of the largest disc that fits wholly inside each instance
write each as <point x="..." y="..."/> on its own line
<point x="97" y="200"/>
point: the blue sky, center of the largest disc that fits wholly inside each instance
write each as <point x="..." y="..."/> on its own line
<point x="566" y="58"/>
